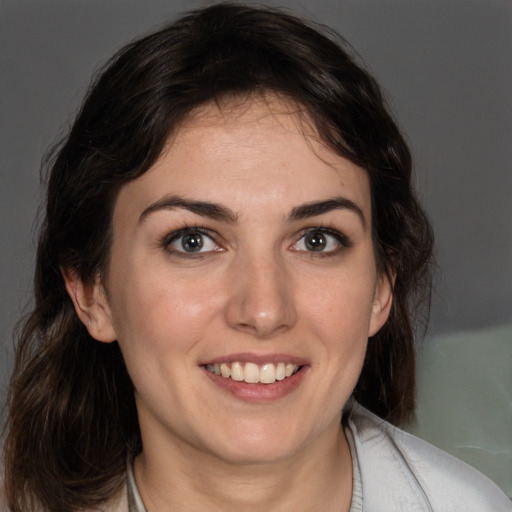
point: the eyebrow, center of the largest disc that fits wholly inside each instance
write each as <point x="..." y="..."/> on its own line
<point x="203" y="208"/>
<point x="219" y="212"/>
<point x="320" y="207"/>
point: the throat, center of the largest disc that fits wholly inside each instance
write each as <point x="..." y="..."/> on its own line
<point x="300" y="486"/>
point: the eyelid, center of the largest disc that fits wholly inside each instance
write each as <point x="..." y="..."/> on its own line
<point x="171" y="237"/>
<point x="341" y="238"/>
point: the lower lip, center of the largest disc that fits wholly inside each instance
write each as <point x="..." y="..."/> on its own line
<point x="258" y="393"/>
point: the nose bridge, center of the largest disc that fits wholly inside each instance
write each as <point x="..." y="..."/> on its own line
<point x="261" y="301"/>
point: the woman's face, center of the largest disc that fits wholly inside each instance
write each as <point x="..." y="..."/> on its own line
<point x="246" y="250"/>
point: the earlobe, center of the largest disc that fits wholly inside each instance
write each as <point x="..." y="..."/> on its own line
<point x="382" y="301"/>
<point x="91" y="305"/>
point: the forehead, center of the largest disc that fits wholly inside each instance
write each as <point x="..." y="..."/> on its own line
<point x="261" y="152"/>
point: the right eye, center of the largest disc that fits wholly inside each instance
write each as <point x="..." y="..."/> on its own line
<point x="191" y="241"/>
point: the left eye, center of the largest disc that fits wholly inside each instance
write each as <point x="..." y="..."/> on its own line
<point x="319" y="241"/>
<point x="192" y="242"/>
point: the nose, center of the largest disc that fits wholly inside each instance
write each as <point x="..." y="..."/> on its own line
<point x="261" y="301"/>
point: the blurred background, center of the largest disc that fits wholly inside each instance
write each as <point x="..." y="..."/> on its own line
<point x="446" y="67"/>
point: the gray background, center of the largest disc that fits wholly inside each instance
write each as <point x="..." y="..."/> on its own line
<point x="447" y="68"/>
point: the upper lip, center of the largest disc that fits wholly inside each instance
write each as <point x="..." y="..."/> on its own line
<point x="248" y="357"/>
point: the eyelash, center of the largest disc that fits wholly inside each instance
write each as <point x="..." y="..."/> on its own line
<point x="343" y="240"/>
<point x="169" y="239"/>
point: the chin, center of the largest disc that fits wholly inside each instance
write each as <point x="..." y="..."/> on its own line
<point x="257" y="453"/>
<point x="259" y="444"/>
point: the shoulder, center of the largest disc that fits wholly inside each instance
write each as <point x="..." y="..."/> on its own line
<point x="402" y="472"/>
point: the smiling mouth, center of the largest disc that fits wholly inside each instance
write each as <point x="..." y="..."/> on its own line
<point x="253" y="373"/>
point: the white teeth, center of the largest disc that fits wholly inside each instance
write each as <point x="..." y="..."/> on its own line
<point x="225" y="370"/>
<point x="252" y="373"/>
<point x="237" y="372"/>
<point x="267" y="373"/>
<point x="280" y="371"/>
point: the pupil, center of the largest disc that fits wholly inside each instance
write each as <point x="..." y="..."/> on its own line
<point x="315" y="241"/>
<point x="192" y="242"/>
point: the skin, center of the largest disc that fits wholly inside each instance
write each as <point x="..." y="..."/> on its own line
<point x="256" y="288"/>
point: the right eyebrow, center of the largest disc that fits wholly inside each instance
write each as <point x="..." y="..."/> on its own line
<point x="320" y="207"/>
<point x="203" y="208"/>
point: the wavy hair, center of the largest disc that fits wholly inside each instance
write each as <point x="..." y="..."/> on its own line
<point x="72" y="421"/>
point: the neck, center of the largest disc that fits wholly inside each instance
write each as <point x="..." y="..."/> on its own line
<point x="317" y="478"/>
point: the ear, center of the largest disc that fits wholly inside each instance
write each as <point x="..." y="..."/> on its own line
<point x="382" y="301"/>
<point x="91" y="305"/>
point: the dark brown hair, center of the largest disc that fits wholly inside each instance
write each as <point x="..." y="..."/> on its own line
<point x="72" y="420"/>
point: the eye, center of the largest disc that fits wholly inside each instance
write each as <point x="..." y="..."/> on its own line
<point x="190" y="241"/>
<point x="321" y="241"/>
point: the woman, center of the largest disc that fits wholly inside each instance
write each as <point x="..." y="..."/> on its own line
<point x="225" y="284"/>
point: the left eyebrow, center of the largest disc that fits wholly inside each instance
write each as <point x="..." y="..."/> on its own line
<point x="320" y="207"/>
<point x="202" y="208"/>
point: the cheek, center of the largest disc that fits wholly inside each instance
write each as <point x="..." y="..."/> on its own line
<point x="159" y="324"/>
<point x="340" y="306"/>
<point x="339" y="317"/>
<point x="163" y="311"/>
